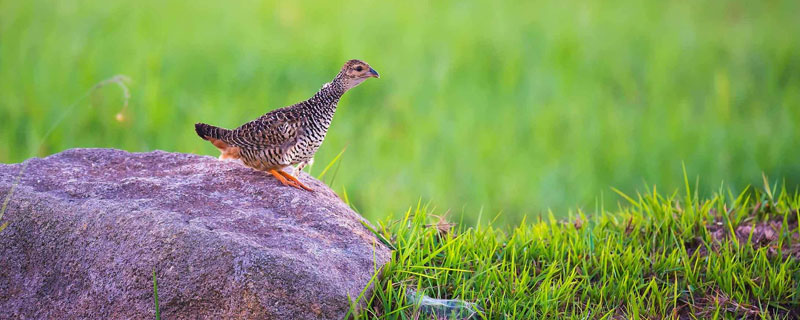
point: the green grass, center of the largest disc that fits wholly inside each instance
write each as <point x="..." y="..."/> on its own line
<point x="517" y="106"/>
<point x="656" y="256"/>
<point x="155" y="296"/>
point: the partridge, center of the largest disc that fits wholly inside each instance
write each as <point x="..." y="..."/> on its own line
<point x="289" y="135"/>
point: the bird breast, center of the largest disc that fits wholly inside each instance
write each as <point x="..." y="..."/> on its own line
<point x="309" y="141"/>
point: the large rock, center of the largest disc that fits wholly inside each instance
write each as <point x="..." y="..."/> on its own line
<point x="87" y="227"/>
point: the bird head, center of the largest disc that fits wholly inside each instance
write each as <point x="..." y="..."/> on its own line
<point x="354" y="72"/>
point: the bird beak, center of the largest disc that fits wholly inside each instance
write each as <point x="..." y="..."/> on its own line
<point x="373" y="73"/>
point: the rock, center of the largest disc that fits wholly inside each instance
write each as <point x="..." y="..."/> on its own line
<point x="87" y="228"/>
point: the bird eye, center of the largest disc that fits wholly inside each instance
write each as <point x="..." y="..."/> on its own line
<point x="359" y="68"/>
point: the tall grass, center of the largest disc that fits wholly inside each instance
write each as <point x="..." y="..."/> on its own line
<point x="513" y="106"/>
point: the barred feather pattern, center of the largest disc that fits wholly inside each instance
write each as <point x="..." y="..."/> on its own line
<point x="285" y="136"/>
<point x="288" y="135"/>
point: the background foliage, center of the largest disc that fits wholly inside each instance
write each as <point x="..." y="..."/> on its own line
<point x="482" y="105"/>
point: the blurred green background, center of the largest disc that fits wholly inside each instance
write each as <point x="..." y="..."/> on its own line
<point x="482" y="106"/>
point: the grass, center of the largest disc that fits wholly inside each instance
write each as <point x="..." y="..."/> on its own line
<point x="155" y="296"/>
<point x="728" y="256"/>
<point x="517" y="106"/>
<point x="484" y="106"/>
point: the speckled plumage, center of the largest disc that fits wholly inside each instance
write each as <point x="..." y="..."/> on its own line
<point x="289" y="135"/>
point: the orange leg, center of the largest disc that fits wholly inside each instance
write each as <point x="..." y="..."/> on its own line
<point x="280" y="177"/>
<point x="294" y="182"/>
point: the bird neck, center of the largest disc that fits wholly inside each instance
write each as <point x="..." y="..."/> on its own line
<point x="336" y="87"/>
<point x="326" y="99"/>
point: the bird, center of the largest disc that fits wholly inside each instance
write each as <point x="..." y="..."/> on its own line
<point x="290" y="135"/>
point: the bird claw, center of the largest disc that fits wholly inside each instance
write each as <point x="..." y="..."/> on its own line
<point x="299" y="185"/>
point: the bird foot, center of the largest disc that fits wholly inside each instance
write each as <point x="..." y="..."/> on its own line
<point x="288" y="180"/>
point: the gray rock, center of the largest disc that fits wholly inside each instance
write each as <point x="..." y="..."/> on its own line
<point x="87" y="227"/>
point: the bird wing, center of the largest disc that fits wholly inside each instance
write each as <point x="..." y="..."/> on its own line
<point x="278" y="128"/>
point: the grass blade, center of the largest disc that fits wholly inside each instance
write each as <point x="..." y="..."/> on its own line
<point x="155" y="295"/>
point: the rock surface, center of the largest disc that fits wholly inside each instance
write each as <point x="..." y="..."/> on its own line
<point x="87" y="227"/>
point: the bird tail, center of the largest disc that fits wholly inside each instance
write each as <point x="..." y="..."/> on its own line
<point x="216" y="136"/>
<point x="208" y="132"/>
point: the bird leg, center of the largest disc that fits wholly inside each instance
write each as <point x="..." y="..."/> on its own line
<point x="297" y="183"/>
<point x="288" y="180"/>
<point x="279" y="177"/>
<point x="303" y="164"/>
